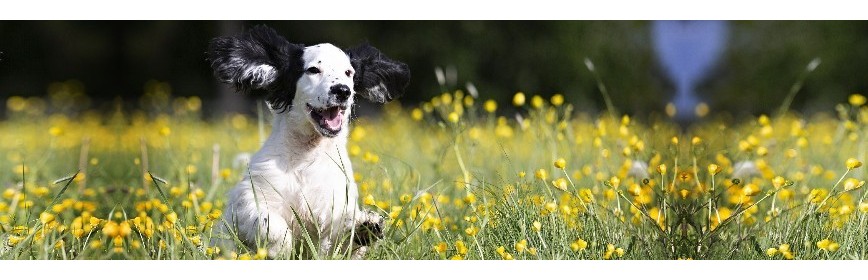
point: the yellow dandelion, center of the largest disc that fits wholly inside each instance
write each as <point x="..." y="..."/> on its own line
<point x="537" y="102"/>
<point x="615" y="182"/>
<point x="557" y="99"/>
<point x="856" y="99"/>
<point x="490" y="106"/>
<point x="537" y="226"/>
<point x="578" y="245"/>
<point x="852" y="184"/>
<point x="662" y="167"/>
<point x="560" y="184"/>
<point x="521" y="246"/>
<point x="460" y="247"/>
<point x="471" y="231"/>
<point x="453" y="117"/>
<point x="713" y="169"/>
<point x="778" y="182"/>
<point x="417" y="114"/>
<point x="518" y="99"/>
<point x="541" y="174"/>
<point x="560" y="163"/>
<point x="440" y="248"/>
<point x="852" y="163"/>
<point x="46" y="217"/>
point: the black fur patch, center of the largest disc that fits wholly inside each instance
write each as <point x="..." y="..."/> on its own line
<point x="237" y="59"/>
<point x="367" y="232"/>
<point x="378" y="78"/>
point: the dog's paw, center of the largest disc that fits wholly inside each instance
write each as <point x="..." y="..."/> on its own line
<point x="369" y="230"/>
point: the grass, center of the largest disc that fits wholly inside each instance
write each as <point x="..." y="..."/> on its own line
<point x="456" y="179"/>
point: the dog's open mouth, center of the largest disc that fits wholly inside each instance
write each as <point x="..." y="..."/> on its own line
<point x="328" y="120"/>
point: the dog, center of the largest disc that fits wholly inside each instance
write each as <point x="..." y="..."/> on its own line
<point x="299" y="187"/>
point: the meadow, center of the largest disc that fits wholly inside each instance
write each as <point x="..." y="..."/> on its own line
<point x="458" y="177"/>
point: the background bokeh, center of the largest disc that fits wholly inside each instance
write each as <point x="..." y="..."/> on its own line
<point x="111" y="62"/>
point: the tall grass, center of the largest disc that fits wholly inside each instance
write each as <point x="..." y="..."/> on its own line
<point x="457" y="178"/>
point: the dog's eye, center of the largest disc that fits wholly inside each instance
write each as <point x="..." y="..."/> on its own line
<point x="349" y="73"/>
<point x="313" y="70"/>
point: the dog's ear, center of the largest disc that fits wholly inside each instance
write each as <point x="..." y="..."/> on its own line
<point x="258" y="61"/>
<point x="378" y="78"/>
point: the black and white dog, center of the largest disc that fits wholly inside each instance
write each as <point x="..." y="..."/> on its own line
<point x="301" y="181"/>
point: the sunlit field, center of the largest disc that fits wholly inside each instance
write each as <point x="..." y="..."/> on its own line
<point x="458" y="177"/>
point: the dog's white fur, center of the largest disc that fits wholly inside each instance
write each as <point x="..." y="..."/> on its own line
<point x="299" y="178"/>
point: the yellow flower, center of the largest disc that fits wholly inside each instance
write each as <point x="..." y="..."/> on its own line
<point x="261" y="253"/>
<point x="560" y="184"/>
<point x="490" y="106"/>
<point x="460" y="247"/>
<point x="834" y="246"/>
<point x="124" y="229"/>
<point x="863" y="207"/>
<point x="191" y="169"/>
<point x="225" y="173"/>
<point x="165" y="131"/>
<point x="453" y="117"/>
<point x="615" y="181"/>
<point x="662" y="167"/>
<point x="110" y="229"/>
<point x="541" y="174"/>
<point x="852" y="184"/>
<point x="521" y="174"/>
<point x="551" y="207"/>
<point x="713" y="169"/>
<point x="471" y="231"/>
<point x="536" y="101"/>
<point x="557" y="99"/>
<point x="771" y="252"/>
<point x="560" y="163"/>
<point x="817" y="195"/>
<point x="46" y="217"/>
<point x="823" y="244"/>
<point x="853" y="163"/>
<point x="537" y="226"/>
<point x="778" y="182"/>
<point x="172" y="217"/>
<point x="369" y="200"/>
<point x="500" y="251"/>
<point x="440" y="248"/>
<point x="856" y="99"/>
<point x="55" y="131"/>
<point x="13" y="239"/>
<point x="518" y="99"/>
<point x="416" y="114"/>
<point x="578" y="245"/>
<point x="521" y="246"/>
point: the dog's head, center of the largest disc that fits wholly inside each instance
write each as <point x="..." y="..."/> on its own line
<point x="322" y="80"/>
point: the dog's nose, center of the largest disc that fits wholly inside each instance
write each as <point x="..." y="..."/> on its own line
<point x="341" y="91"/>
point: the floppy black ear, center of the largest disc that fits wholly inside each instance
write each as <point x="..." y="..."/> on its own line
<point x="378" y="78"/>
<point x="260" y="60"/>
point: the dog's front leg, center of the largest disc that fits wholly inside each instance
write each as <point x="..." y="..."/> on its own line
<point x="368" y="229"/>
<point x="269" y="231"/>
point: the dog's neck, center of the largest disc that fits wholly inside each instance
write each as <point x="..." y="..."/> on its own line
<point x="294" y="142"/>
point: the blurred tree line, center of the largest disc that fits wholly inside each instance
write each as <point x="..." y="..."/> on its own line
<point x="114" y="60"/>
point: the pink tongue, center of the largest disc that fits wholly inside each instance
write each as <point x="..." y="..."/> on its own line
<point x="332" y="118"/>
